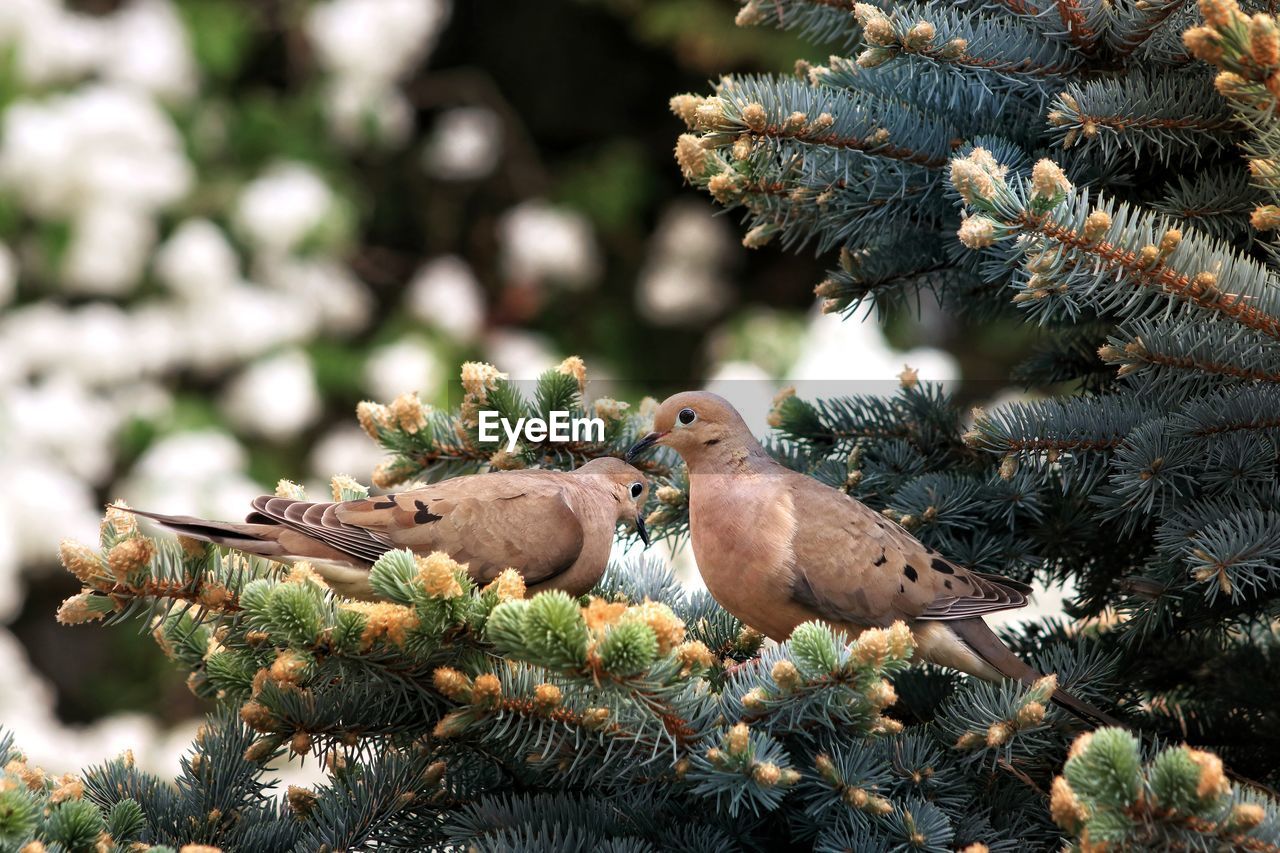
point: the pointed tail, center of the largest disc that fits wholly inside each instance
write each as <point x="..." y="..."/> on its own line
<point x="260" y="539"/>
<point x="978" y="636"/>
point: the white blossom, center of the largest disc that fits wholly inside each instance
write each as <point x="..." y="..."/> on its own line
<point x="523" y="355"/>
<point x="197" y="259"/>
<point x="198" y="472"/>
<point x="408" y="364"/>
<point x="361" y="112"/>
<point x="147" y="47"/>
<point x="328" y="291"/>
<point x="276" y="398"/>
<point x="284" y="205"/>
<point x="445" y="295"/>
<point x="98" y="145"/>
<point x="540" y="242"/>
<point x="345" y="449"/>
<point x="374" y="40"/>
<point x="682" y="281"/>
<point x="465" y="144"/>
<point x="110" y="246"/>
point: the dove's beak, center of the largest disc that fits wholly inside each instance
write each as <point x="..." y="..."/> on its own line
<point x="640" y="528"/>
<point x="644" y="444"/>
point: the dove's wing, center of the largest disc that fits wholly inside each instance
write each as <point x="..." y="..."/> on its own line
<point x="517" y="520"/>
<point x="854" y="565"/>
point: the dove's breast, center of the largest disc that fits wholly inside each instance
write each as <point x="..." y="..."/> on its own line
<point x="742" y="527"/>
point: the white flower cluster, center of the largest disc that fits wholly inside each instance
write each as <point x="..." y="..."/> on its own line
<point x="683" y="279"/>
<point x="367" y="47"/>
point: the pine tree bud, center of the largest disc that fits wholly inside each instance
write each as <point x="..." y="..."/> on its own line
<point x="1203" y="44"/>
<point x="1008" y="467"/>
<point x="508" y="585"/>
<point x="82" y="561"/>
<point x="685" y="107"/>
<point x="755" y="117"/>
<point x="452" y="683"/>
<point x="1265" y="217"/>
<point x="1030" y="714"/>
<point x="690" y="156"/>
<point x="68" y="787"/>
<point x="1065" y="808"/>
<point x="857" y="797"/>
<point x="999" y="733"/>
<point x="1096" y="225"/>
<point x="881" y="694"/>
<point x="723" y="187"/>
<point x="832" y="306"/>
<point x="438" y="574"/>
<point x="487" y="690"/>
<point x="302" y="801"/>
<point x="77" y="610"/>
<point x="434" y="773"/>
<point x="795" y="122"/>
<point x="749" y="15"/>
<point x="970" y="740"/>
<point x="971" y="179"/>
<point x="373" y="418"/>
<point x="256" y="716"/>
<point x="1213" y="782"/>
<point x="1048" y="180"/>
<point x="977" y="232"/>
<point x="547" y="696"/>
<point x="786" y="676"/>
<point x="760" y="235"/>
<point x="875" y="56"/>
<point x="694" y="655"/>
<point x="1079" y="745"/>
<point x="737" y="739"/>
<point x="118" y="522"/>
<point x="871" y="647"/>
<point x="715" y="756"/>
<point x="595" y="718"/>
<point x="1231" y="85"/>
<point x="709" y="115"/>
<point x="766" y="774"/>
<point x="827" y="289"/>
<point x="920" y="35"/>
<point x="452" y="724"/>
<point x="826" y="769"/>
<point x="300" y="743"/>
<point x="1148" y="256"/>
<point x="742" y="147"/>
<point x="288" y="667"/>
<point x="262" y="749"/>
<point x="878" y="31"/>
<point x="1265" y="171"/>
<point x="1203" y="284"/>
<point x="754" y="699"/>
<point x="954" y="49"/>
<point x="789" y="777"/>
<point x="1219" y="14"/>
<point x="129" y="556"/>
<point x="408" y="413"/>
<point x="1245" y="816"/>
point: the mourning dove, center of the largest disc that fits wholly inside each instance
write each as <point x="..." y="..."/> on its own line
<point x="777" y="548"/>
<point x="556" y="528"/>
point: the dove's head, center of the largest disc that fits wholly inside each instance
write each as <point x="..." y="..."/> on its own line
<point x="700" y="426"/>
<point x="629" y="488"/>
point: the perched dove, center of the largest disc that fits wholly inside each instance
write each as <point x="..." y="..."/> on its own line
<point x="556" y="528"/>
<point x="777" y="548"/>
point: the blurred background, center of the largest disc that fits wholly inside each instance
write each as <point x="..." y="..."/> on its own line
<point x="224" y="223"/>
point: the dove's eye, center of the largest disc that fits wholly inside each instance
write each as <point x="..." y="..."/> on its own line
<point x="687" y="416"/>
<point x="636" y="489"/>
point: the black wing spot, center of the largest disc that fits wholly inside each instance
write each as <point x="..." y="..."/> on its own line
<point x="966" y="581"/>
<point x="910" y="571"/>
<point x="947" y="583"/>
<point x="711" y="442"/>
<point x="882" y="559"/>
<point x="901" y="589"/>
<point x="387" y="504"/>
<point x="424" y="515"/>
<point x="943" y="567"/>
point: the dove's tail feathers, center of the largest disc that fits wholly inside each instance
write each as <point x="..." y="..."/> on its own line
<point x="979" y="637"/>
<point x="260" y="539"/>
